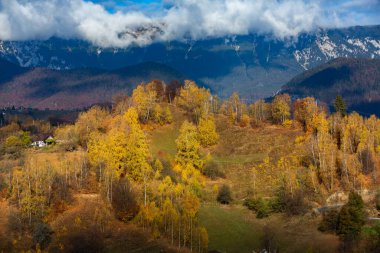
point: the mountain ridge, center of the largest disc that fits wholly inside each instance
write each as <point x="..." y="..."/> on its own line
<point x="255" y="65"/>
<point x="77" y="88"/>
<point x="357" y="80"/>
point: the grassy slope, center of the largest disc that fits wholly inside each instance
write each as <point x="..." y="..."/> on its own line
<point x="162" y="139"/>
<point x="251" y="145"/>
<point x="229" y="230"/>
<point x="235" y="229"/>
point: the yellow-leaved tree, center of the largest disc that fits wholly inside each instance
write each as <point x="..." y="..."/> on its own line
<point x="207" y="132"/>
<point x="144" y="100"/>
<point x="91" y="121"/>
<point x="304" y="111"/>
<point x="194" y="100"/>
<point x="280" y="108"/>
<point x="188" y="146"/>
<point x="137" y="152"/>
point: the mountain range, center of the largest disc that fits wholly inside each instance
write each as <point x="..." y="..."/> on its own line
<point x="256" y="66"/>
<point x="74" y="88"/>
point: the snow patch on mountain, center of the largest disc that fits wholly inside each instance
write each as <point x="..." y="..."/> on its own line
<point x="358" y="43"/>
<point x="375" y="43"/>
<point x="327" y="47"/>
<point x="303" y="57"/>
<point x="346" y="49"/>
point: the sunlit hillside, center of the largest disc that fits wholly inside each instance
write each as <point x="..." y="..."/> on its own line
<point x="180" y="170"/>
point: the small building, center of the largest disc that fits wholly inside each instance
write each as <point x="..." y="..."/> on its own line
<point x="39" y="144"/>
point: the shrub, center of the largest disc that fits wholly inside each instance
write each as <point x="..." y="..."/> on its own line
<point x="329" y="221"/>
<point x="371" y="238"/>
<point x="213" y="170"/>
<point x="292" y="204"/>
<point x="245" y="120"/>
<point x="15" y="144"/>
<point x="263" y="207"/>
<point x="84" y="240"/>
<point x="253" y="204"/>
<point x="287" y="123"/>
<point x="275" y="204"/>
<point x="42" y="235"/>
<point x="224" y="195"/>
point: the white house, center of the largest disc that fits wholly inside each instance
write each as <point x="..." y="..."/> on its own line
<point x="39" y="144"/>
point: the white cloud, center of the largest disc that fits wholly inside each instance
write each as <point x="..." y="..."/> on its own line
<point x="214" y="18"/>
<point x="41" y="19"/>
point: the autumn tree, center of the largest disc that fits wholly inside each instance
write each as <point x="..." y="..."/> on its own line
<point x="280" y="108"/>
<point x="137" y="152"/>
<point x="207" y="132"/>
<point x="121" y="151"/>
<point x="304" y="111"/>
<point x="172" y="90"/>
<point x="144" y="99"/>
<point x="188" y="146"/>
<point x="235" y="109"/>
<point x="67" y="136"/>
<point x="121" y="103"/>
<point x="158" y="87"/>
<point x="194" y="100"/>
<point x="322" y="151"/>
<point x="259" y="111"/>
<point x="158" y="115"/>
<point x="91" y="121"/>
<point x="167" y="116"/>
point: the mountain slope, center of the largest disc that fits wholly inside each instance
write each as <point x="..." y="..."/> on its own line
<point x="357" y="80"/>
<point x="77" y="88"/>
<point x="8" y="70"/>
<point x="255" y="65"/>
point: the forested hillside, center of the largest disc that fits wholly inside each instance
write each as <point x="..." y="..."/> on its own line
<point x="176" y="169"/>
<point x="74" y="89"/>
<point x="357" y="80"/>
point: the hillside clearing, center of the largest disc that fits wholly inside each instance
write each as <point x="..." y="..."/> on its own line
<point x="235" y="229"/>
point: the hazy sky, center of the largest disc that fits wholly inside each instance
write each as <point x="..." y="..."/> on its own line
<point x="111" y="23"/>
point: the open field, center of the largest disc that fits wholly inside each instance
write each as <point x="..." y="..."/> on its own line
<point x="248" y="146"/>
<point x="235" y="229"/>
<point x="162" y="139"/>
<point x="229" y="229"/>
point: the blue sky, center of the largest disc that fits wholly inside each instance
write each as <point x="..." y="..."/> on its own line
<point x="361" y="11"/>
<point x="146" y="6"/>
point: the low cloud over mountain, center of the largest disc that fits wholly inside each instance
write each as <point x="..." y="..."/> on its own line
<point x="174" y="20"/>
